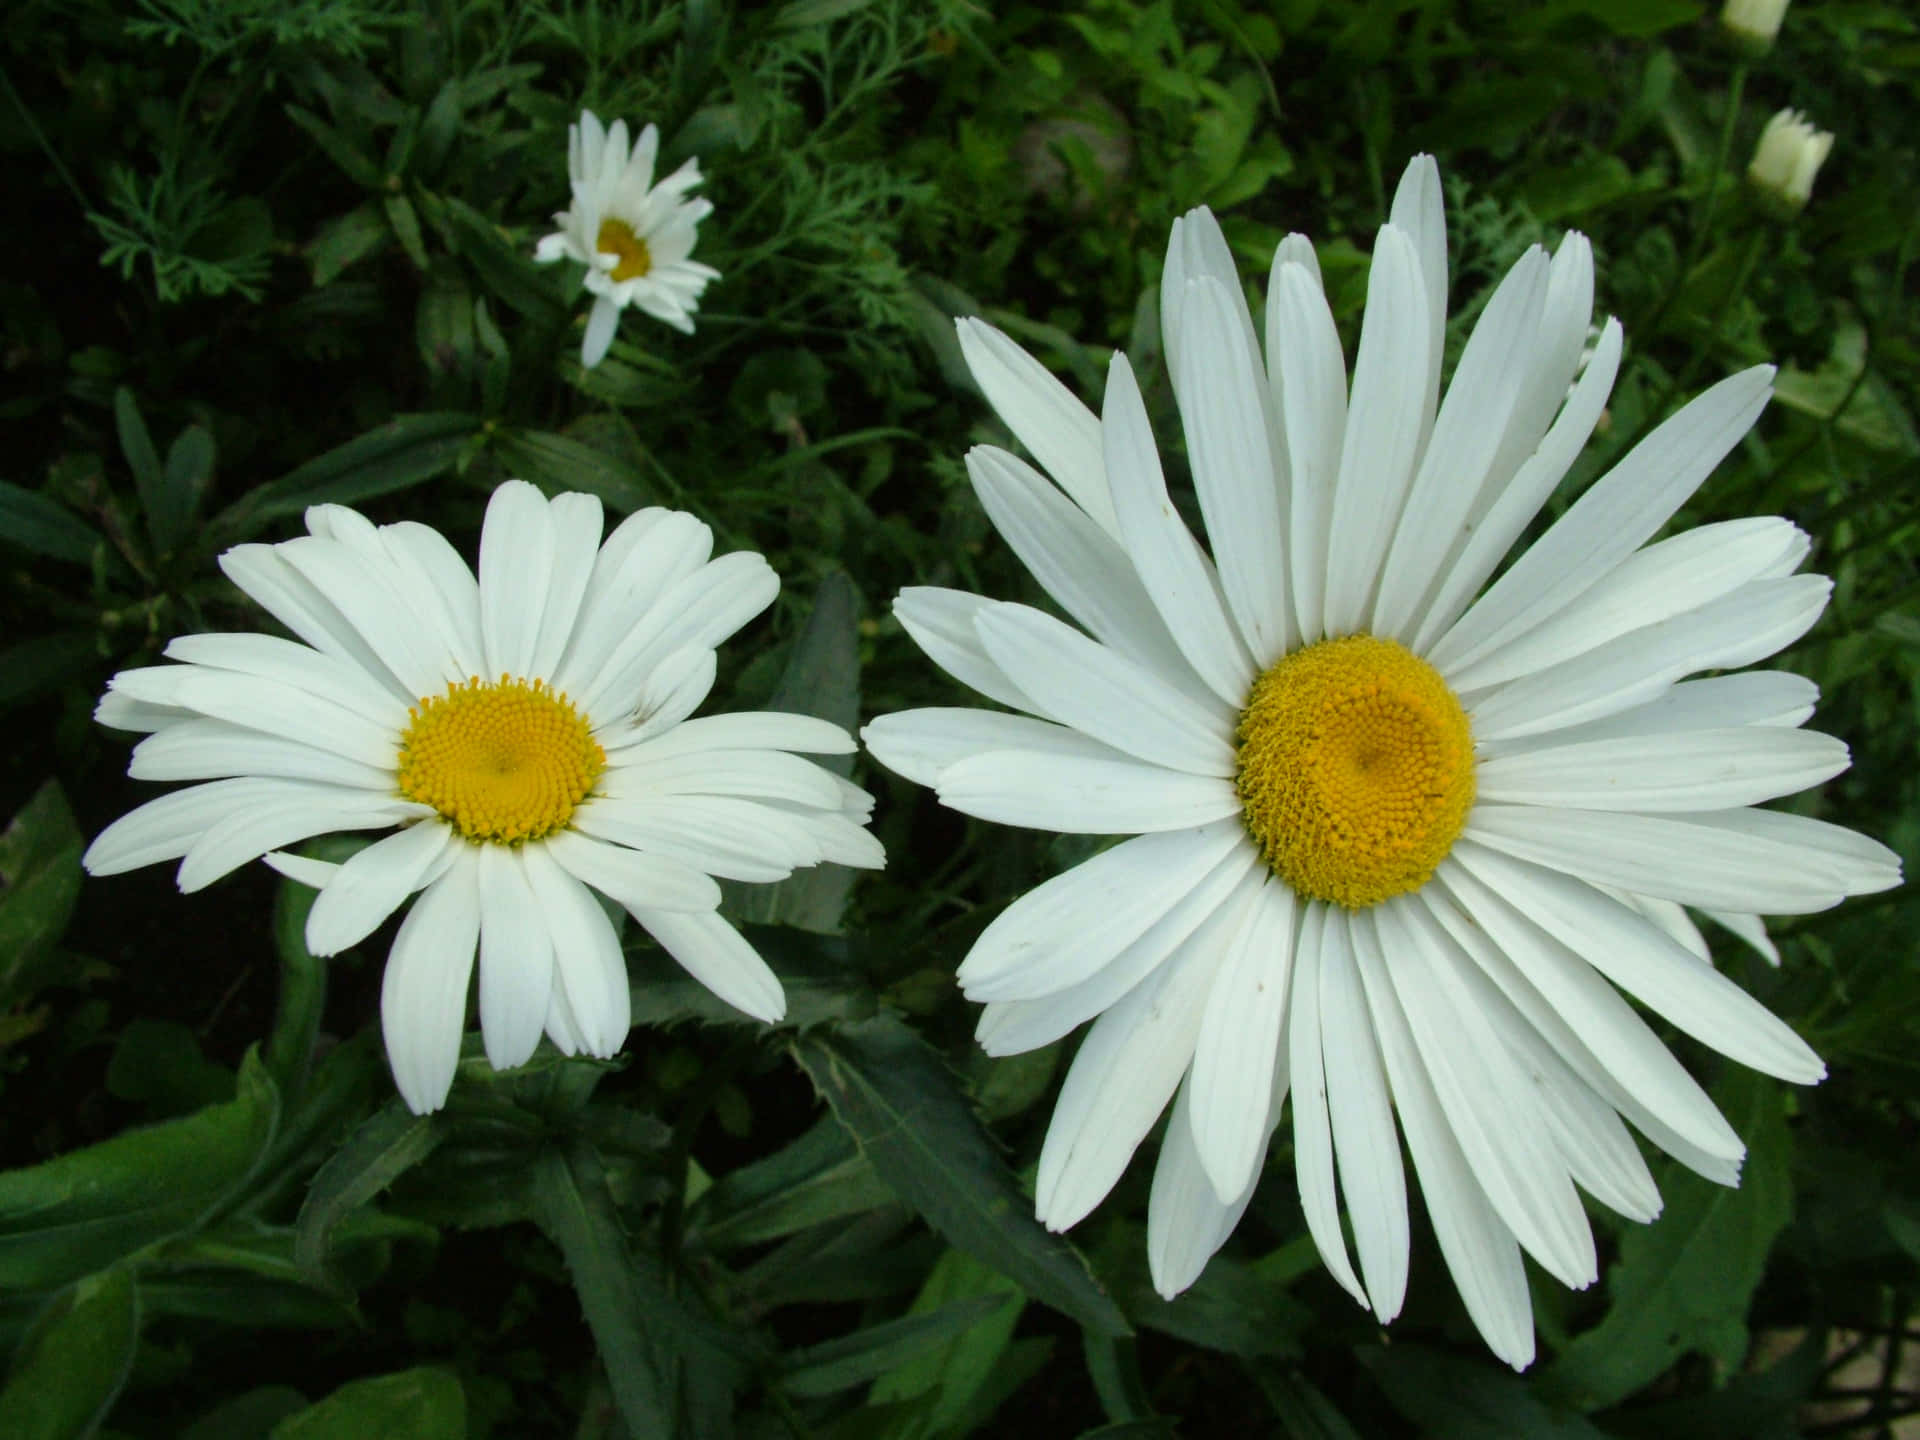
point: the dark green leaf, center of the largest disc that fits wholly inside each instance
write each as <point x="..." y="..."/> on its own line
<point x="144" y="461"/>
<point x="1684" y="1282"/>
<point x="75" y="1362"/>
<point x="556" y="463"/>
<point x="657" y="1354"/>
<point x="818" y="972"/>
<point x="1302" y="1411"/>
<point x="405" y="451"/>
<point x="39" y="886"/>
<point x="358" y="165"/>
<point x="388" y="1145"/>
<point x="423" y="1404"/>
<point x="46" y="662"/>
<point x="904" y="1107"/>
<point x="867" y="1354"/>
<point x="248" y="1416"/>
<point x="1451" y="1397"/>
<point x="158" y="1064"/>
<point x="819" y="1177"/>
<point x="83" y="1211"/>
<point x="303" y="990"/>
<point x="508" y="274"/>
<point x="41" y="527"/>
<point x="346" y="239"/>
<point x="1754" y="1406"/>
<point x="406" y="229"/>
<point x="958" y="1370"/>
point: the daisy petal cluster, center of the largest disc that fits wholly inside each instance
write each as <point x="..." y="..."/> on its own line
<point x="524" y="735"/>
<point x="1403" y="841"/>
<point x="635" y="237"/>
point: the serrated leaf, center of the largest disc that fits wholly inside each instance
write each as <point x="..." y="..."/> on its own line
<point x="406" y="451"/>
<point x="39" y="886"/>
<point x="819" y="1177"/>
<point x="1451" y="1397"/>
<point x="75" y="1362"/>
<point x="384" y="1148"/>
<point x="855" y="1359"/>
<point x="41" y="526"/>
<point x="83" y="1211"/>
<point x="1684" y="1282"/>
<point x="422" y="1404"/>
<point x="905" y="1108"/>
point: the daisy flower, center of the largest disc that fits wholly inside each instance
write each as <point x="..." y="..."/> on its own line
<point x="1400" y="839"/>
<point x="524" y="735"/>
<point x="633" y="236"/>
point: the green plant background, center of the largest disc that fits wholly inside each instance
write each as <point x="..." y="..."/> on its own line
<point x="261" y="254"/>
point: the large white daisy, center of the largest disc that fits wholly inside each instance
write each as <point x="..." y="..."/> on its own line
<point x="634" y="237"/>
<point x="525" y="736"/>
<point x="1398" y="849"/>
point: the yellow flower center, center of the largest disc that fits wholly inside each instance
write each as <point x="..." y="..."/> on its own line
<point x="1356" y="770"/>
<point x="503" y="762"/>
<point x="616" y="237"/>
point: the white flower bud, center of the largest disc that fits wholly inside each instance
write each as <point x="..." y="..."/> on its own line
<point x="1753" y="23"/>
<point x="1787" y="158"/>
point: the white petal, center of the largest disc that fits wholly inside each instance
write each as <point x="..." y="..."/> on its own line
<point x="1062" y="931"/>
<point x="1125" y="1072"/>
<point x="1614" y="518"/>
<point x="1078" y="795"/>
<point x="270" y="579"/>
<point x="1642" y="960"/>
<point x="1307" y="373"/>
<point x="1685" y="770"/>
<point x="314" y="874"/>
<point x="1363" y="1132"/>
<point x="921" y="744"/>
<point x="266" y="706"/>
<point x="1750" y="928"/>
<point x="358" y="589"/>
<point x="713" y="952"/>
<point x="1510" y="507"/>
<point x="1240" y="1041"/>
<point x="1737" y="629"/>
<point x="423" y="995"/>
<point x="649" y="552"/>
<point x="516" y="957"/>
<point x="1384" y="430"/>
<point x="1312" y="1129"/>
<point x="754" y="774"/>
<point x="1586" y="1021"/>
<point x="576" y="521"/>
<point x="371" y="885"/>
<point x="1186" y="1221"/>
<point x="1656" y="855"/>
<point x="299" y="814"/>
<point x="1493" y="369"/>
<point x="1419" y="211"/>
<point x="1223" y="410"/>
<point x="586" y="954"/>
<point x="941" y="623"/>
<point x="734" y="839"/>
<point x="1667" y="579"/>
<point x="753" y="730"/>
<point x="1860" y="865"/>
<point x="1197" y="249"/>
<point x="675" y="689"/>
<point x="443" y="589"/>
<point x="213" y="750"/>
<point x="1176" y="573"/>
<point x="1482" y="1092"/>
<point x="516" y="569"/>
<point x="1103" y="694"/>
<point x="1074" y="560"/>
<point x="1480" y="1251"/>
<point x="634" y="878"/>
<point x="1753" y="697"/>
<point x="1059" y="431"/>
<point x="268" y="657"/>
<point x="601" y="324"/>
<point x="165" y="829"/>
<point x="1011" y="1027"/>
<point x="1565" y="324"/>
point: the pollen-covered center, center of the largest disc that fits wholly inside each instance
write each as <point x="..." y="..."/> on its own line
<point x="1356" y="770"/>
<point x="503" y="761"/>
<point x="616" y="237"/>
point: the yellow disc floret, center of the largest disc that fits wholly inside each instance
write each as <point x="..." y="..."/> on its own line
<point x="1356" y="770"/>
<point x="504" y="762"/>
<point x="616" y="237"/>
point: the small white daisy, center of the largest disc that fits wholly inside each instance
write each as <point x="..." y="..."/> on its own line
<point x="633" y="236"/>
<point x="1394" y="846"/>
<point x="526" y="737"/>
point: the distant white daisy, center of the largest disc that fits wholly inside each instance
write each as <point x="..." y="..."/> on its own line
<point x="574" y="769"/>
<point x="1395" y="846"/>
<point x="633" y="236"/>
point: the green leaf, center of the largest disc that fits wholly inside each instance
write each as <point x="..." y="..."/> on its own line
<point x="303" y="989"/>
<point x="39" y="886"/>
<point x="422" y="1404"/>
<point x="248" y="1416"/>
<point x="1302" y="1411"/>
<point x="404" y="452"/>
<point x="557" y="463"/>
<point x="1684" y="1282"/>
<point x="85" y="1210"/>
<point x="75" y="1362"/>
<point x="1453" y="1398"/>
<point x="358" y="165"/>
<point x="819" y="1177"/>
<point x="508" y="274"/>
<point x="960" y="1368"/>
<point x="406" y="229"/>
<point x="818" y="973"/>
<point x="384" y="1148"/>
<point x="855" y="1359"/>
<point x="347" y="239"/>
<point x="904" y="1107"/>
<point x="158" y="1063"/>
<point x="137" y="445"/>
<point x="41" y="526"/>
<point x="189" y="472"/>
<point x="657" y="1354"/>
